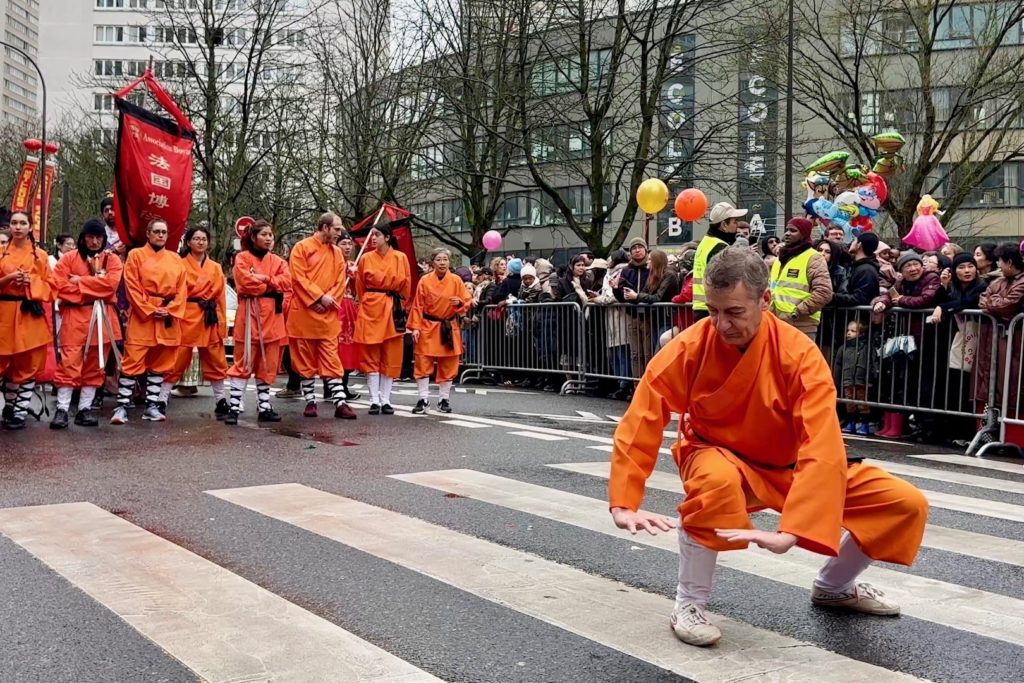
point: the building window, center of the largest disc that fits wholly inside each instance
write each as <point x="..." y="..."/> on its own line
<point x="107" y="35"/>
<point x="110" y="4"/>
<point x="1000" y="189"/>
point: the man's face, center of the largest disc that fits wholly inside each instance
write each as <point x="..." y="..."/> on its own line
<point x="736" y="313"/>
<point x="93" y="242"/>
<point x="912" y="271"/>
<point x="792" y="236"/>
<point x="108" y="215"/>
<point x="730" y="225"/>
<point x="743" y="230"/>
<point x="836" y="235"/>
<point x="638" y="253"/>
<point x="157" y="234"/>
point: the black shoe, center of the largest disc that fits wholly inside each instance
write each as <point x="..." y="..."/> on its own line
<point x="85" y="418"/>
<point x="351" y="395"/>
<point x="14" y="424"/>
<point x="421" y="407"/>
<point x="8" y="413"/>
<point x="268" y="416"/>
<point x="221" y="411"/>
<point x="374" y="409"/>
<point x="386" y="409"/>
<point x="444" y="406"/>
<point x="231" y="418"/>
<point x="97" y="400"/>
<point x="60" y="419"/>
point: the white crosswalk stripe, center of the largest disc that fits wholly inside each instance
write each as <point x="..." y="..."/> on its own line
<point x="968" y="461"/>
<point x="977" y="611"/>
<point x="975" y="480"/>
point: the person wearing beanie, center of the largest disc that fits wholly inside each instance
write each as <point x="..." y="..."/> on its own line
<point x="83" y="277"/>
<point x="800" y="283"/>
<point x="723" y="223"/>
<point x="862" y="285"/>
<point x="515" y="266"/>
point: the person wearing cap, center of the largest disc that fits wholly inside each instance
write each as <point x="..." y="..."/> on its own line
<point x="82" y="277"/>
<point x="632" y="281"/>
<point x="862" y="287"/>
<point x="723" y="223"/>
<point x="800" y="283"/>
<point x="440" y="299"/>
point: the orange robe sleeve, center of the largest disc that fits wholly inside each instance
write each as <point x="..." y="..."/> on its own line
<point x="139" y="299"/>
<point x="88" y="287"/>
<point x="40" y="287"/>
<point x="433" y="298"/>
<point x="317" y="269"/>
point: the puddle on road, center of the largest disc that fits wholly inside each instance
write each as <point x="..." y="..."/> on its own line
<point x="321" y="437"/>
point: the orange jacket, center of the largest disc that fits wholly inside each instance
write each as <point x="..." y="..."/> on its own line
<point x="154" y="279"/>
<point x="76" y="298"/>
<point x="773" y="406"/>
<point x="20" y="330"/>
<point x="433" y="298"/>
<point x="253" y="292"/>
<point x="204" y="282"/>
<point x="390" y="272"/>
<point x="316" y="269"/>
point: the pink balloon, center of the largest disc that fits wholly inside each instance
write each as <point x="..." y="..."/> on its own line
<point x="492" y="240"/>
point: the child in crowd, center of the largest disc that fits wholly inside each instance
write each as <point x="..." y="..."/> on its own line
<point x="851" y="364"/>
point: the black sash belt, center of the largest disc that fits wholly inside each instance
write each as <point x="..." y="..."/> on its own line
<point x="27" y="305"/>
<point x="447" y="336"/>
<point x="278" y="298"/>
<point x="209" y="307"/>
<point x="168" y="321"/>
<point x="398" y="315"/>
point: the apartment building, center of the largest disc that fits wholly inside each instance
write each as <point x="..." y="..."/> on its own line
<point x="19" y="103"/>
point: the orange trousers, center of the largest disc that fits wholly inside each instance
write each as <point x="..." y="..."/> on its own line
<point x="384" y="358"/>
<point x="27" y="365"/>
<point x="138" y="359"/>
<point x="264" y="371"/>
<point x="211" y="358"/>
<point x="447" y="367"/>
<point x="885" y="515"/>
<point x="316" y="357"/>
<point x="80" y="369"/>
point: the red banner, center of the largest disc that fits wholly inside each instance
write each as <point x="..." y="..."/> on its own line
<point x="43" y="195"/>
<point x="153" y="170"/>
<point x="23" y="187"/>
<point x="399" y="219"/>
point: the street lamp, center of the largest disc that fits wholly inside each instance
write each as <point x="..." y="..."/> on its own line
<point x="42" y="153"/>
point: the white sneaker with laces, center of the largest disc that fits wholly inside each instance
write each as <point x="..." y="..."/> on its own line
<point x="153" y="414"/>
<point x="691" y="625"/>
<point x="119" y="417"/>
<point x="863" y="597"/>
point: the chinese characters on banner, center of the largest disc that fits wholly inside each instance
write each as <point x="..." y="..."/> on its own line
<point x="152" y="175"/>
<point x="42" y="195"/>
<point x="678" y="105"/>
<point x="23" y="186"/>
<point x="758" y="148"/>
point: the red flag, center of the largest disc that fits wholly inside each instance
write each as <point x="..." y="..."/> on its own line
<point x="153" y="171"/>
<point x="400" y="220"/>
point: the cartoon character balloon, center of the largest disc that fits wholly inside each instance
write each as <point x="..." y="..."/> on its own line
<point x="927" y="233"/>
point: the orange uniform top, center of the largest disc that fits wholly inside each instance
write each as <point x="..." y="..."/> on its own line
<point x="203" y="281"/>
<point x="154" y="279"/>
<point x="773" y="406"/>
<point x="433" y="298"/>
<point x="251" y="290"/>
<point x="391" y="272"/>
<point x="76" y="298"/>
<point x="317" y="269"/>
<point x="21" y="330"/>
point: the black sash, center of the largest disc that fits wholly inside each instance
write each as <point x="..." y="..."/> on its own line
<point x="27" y="305"/>
<point x="278" y="298"/>
<point x="398" y="315"/>
<point x="168" y="321"/>
<point x="209" y="307"/>
<point x="447" y="336"/>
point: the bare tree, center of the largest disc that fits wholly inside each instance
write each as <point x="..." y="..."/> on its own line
<point x="945" y="73"/>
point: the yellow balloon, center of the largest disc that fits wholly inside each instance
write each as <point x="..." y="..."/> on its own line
<point x="652" y="195"/>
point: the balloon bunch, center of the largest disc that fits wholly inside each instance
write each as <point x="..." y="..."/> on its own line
<point x="849" y="196"/>
<point x="652" y="196"/>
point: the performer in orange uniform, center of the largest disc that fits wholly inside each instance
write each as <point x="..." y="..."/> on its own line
<point x="155" y="281"/>
<point x="262" y="279"/>
<point x="384" y="285"/>
<point x="761" y="432"/>
<point x="318" y="269"/>
<point x="434" y="320"/>
<point x="348" y="311"/>
<point x="86" y="282"/>
<point x="205" y="323"/>
<point x="25" y="288"/>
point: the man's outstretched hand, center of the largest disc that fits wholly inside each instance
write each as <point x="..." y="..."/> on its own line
<point x="625" y="518"/>
<point x="778" y="542"/>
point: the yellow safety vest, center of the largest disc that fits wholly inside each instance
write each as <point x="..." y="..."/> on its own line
<point x="793" y="286"/>
<point x="700" y="264"/>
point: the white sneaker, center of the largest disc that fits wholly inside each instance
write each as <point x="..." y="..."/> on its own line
<point x="120" y="416"/>
<point x="153" y="414"/>
<point x="691" y="625"/>
<point x="863" y="597"/>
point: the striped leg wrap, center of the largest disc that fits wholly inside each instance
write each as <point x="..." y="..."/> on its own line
<point x="337" y="393"/>
<point x="235" y="392"/>
<point x="24" y="399"/>
<point x="125" y="387"/>
<point x="153" y="384"/>
<point x="308" y="390"/>
<point x="263" y="395"/>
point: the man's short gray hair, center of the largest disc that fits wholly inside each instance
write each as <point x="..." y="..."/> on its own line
<point x="734" y="265"/>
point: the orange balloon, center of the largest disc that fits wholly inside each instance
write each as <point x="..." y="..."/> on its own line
<point x="691" y="204"/>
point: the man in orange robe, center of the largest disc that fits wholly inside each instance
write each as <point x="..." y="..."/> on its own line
<point x="262" y="280"/>
<point x="760" y="431"/>
<point x="384" y="285"/>
<point x="86" y="281"/>
<point x="319" y="270"/>
<point x="205" y="323"/>
<point x="154" y="279"/>
<point x="25" y="288"/>
<point x="434" y="321"/>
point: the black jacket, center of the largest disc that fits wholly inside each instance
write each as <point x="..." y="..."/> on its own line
<point x="861" y="286"/>
<point x="633" y="276"/>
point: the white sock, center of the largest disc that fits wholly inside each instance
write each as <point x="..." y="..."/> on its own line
<point x="696" y="571"/>
<point x="446" y="390"/>
<point x="165" y="391"/>
<point x="85" y="398"/>
<point x="385" y="389"/>
<point x="373" y="386"/>
<point x="64" y="398"/>
<point x="423" y="387"/>
<point x="218" y="389"/>
<point x="839" y="573"/>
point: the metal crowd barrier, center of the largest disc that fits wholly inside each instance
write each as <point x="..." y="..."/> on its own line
<point x="622" y="338"/>
<point x="1010" y="388"/>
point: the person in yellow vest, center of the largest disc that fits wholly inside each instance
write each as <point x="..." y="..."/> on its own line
<point x="724" y="220"/>
<point x="800" y="284"/>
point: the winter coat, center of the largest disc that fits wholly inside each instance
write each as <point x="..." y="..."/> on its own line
<point x="851" y="362"/>
<point x="614" y="312"/>
<point x="862" y="285"/>
<point x="1002" y="299"/>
